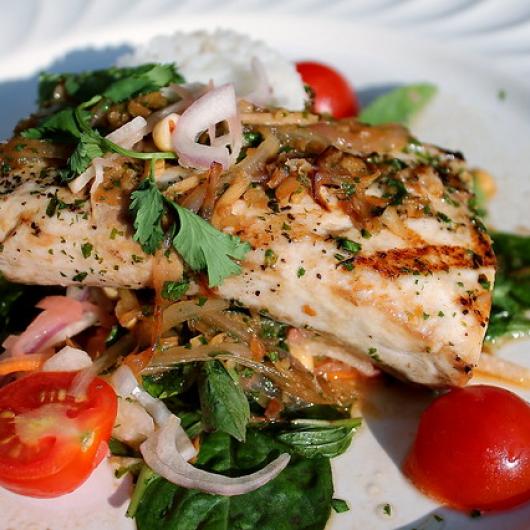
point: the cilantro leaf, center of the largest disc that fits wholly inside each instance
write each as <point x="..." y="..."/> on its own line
<point x="116" y="83"/>
<point x="146" y="80"/>
<point x="88" y="148"/>
<point x="63" y="122"/>
<point x="399" y="105"/>
<point x="147" y="207"/>
<point x="204" y="247"/>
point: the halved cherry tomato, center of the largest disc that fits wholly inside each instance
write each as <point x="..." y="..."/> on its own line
<point x="49" y="441"/>
<point x="332" y="92"/>
<point x="472" y="449"/>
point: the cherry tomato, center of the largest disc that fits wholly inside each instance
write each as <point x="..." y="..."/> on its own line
<point x="472" y="449"/>
<point x="49" y="442"/>
<point x="332" y="92"/>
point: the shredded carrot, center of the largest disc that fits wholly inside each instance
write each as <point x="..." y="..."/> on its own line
<point x="273" y="409"/>
<point x="25" y="363"/>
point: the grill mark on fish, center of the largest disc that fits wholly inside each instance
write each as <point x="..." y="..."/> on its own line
<point x="422" y="260"/>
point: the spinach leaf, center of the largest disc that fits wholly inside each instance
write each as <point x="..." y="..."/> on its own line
<point x="9" y="294"/>
<point x="224" y="405"/>
<point x="298" y="499"/>
<point x="316" y="438"/>
<point x="399" y="105"/>
<point x="510" y="314"/>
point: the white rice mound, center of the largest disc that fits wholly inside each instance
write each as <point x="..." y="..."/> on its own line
<point x="223" y="56"/>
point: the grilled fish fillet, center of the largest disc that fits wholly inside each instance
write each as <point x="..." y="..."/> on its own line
<point x="358" y="233"/>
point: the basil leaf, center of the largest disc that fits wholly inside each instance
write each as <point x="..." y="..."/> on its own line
<point x="399" y="105"/>
<point x="299" y="498"/>
<point x="224" y="405"/>
<point x="171" y="383"/>
<point x="317" y="438"/>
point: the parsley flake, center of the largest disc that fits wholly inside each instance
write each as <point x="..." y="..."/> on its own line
<point x="86" y="250"/>
<point x="175" y="290"/>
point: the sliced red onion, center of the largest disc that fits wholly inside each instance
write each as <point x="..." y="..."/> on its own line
<point x="262" y="93"/>
<point x="218" y="105"/>
<point x="130" y="133"/>
<point x="162" y="456"/>
<point x="125" y="384"/>
<point x="133" y="424"/>
<point x="67" y="359"/>
<point x="62" y="318"/>
<point x="188" y="94"/>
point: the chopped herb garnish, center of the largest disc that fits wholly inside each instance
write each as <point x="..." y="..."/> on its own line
<point x="80" y="276"/>
<point x="175" y="290"/>
<point x="114" y="233"/>
<point x="270" y="258"/>
<point x="300" y="272"/>
<point x="372" y="352"/>
<point x="339" y="505"/>
<point x="484" y="282"/>
<point x="442" y="217"/>
<point x="252" y="139"/>
<point x="273" y="356"/>
<point x="86" y="250"/>
<point x="348" y="189"/>
<point x="348" y="245"/>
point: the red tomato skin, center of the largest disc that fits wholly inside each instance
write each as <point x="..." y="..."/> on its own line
<point x="333" y="94"/>
<point x="62" y="466"/>
<point x="472" y="449"/>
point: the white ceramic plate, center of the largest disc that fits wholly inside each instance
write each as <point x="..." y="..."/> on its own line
<point x="458" y="44"/>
